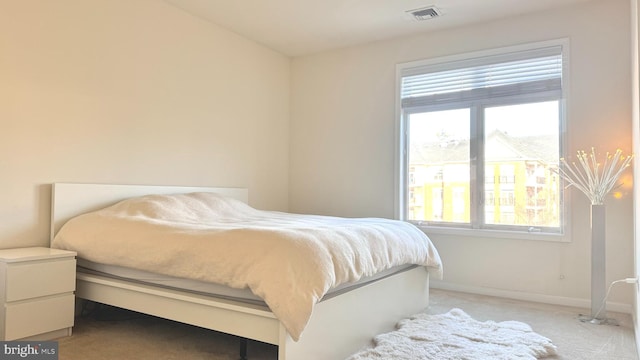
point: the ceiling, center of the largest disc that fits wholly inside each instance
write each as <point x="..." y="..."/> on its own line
<point x="300" y="27"/>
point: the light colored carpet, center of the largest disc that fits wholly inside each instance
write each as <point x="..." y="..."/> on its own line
<point x="456" y="335"/>
<point x="116" y="334"/>
<point x="576" y="340"/>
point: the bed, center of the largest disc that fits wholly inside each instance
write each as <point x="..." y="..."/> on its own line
<point x="338" y="325"/>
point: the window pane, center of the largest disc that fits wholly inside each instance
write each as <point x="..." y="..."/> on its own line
<point x="521" y="141"/>
<point x="483" y="164"/>
<point x="439" y="166"/>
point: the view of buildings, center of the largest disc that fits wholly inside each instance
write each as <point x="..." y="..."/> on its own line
<point x="519" y="187"/>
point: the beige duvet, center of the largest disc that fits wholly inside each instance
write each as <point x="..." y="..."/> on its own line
<point x="289" y="260"/>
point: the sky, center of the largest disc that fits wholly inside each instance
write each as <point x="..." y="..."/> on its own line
<point x="516" y="120"/>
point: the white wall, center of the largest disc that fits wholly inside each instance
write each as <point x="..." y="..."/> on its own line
<point x="343" y="144"/>
<point x="635" y="101"/>
<point x="136" y="92"/>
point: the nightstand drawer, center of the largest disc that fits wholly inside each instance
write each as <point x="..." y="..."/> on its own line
<point x="35" y="279"/>
<point x="39" y="316"/>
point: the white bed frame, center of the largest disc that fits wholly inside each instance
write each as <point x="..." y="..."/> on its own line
<point x="338" y="327"/>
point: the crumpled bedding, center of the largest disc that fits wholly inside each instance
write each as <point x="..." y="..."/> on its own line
<point x="289" y="260"/>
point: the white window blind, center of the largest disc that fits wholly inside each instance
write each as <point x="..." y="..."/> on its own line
<point x="524" y="72"/>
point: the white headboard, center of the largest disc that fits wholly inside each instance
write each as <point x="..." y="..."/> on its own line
<point x="69" y="200"/>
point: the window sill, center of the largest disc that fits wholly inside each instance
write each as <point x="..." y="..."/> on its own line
<point x="496" y="234"/>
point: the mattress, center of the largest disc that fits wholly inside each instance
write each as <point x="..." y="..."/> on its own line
<point x="212" y="289"/>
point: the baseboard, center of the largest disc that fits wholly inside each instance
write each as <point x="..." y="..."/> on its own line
<point x="524" y="296"/>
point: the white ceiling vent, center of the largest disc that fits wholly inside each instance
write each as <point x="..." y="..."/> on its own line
<point x="425" y="13"/>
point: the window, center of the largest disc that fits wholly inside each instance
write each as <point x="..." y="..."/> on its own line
<point x="478" y="136"/>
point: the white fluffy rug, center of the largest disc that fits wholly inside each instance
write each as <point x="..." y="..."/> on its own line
<point x="456" y="336"/>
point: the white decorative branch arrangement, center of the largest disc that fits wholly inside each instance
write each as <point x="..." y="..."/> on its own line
<point x="595" y="180"/>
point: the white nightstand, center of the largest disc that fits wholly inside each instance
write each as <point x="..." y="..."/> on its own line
<point x="36" y="290"/>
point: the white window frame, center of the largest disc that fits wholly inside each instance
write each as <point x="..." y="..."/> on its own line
<point x="401" y="155"/>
